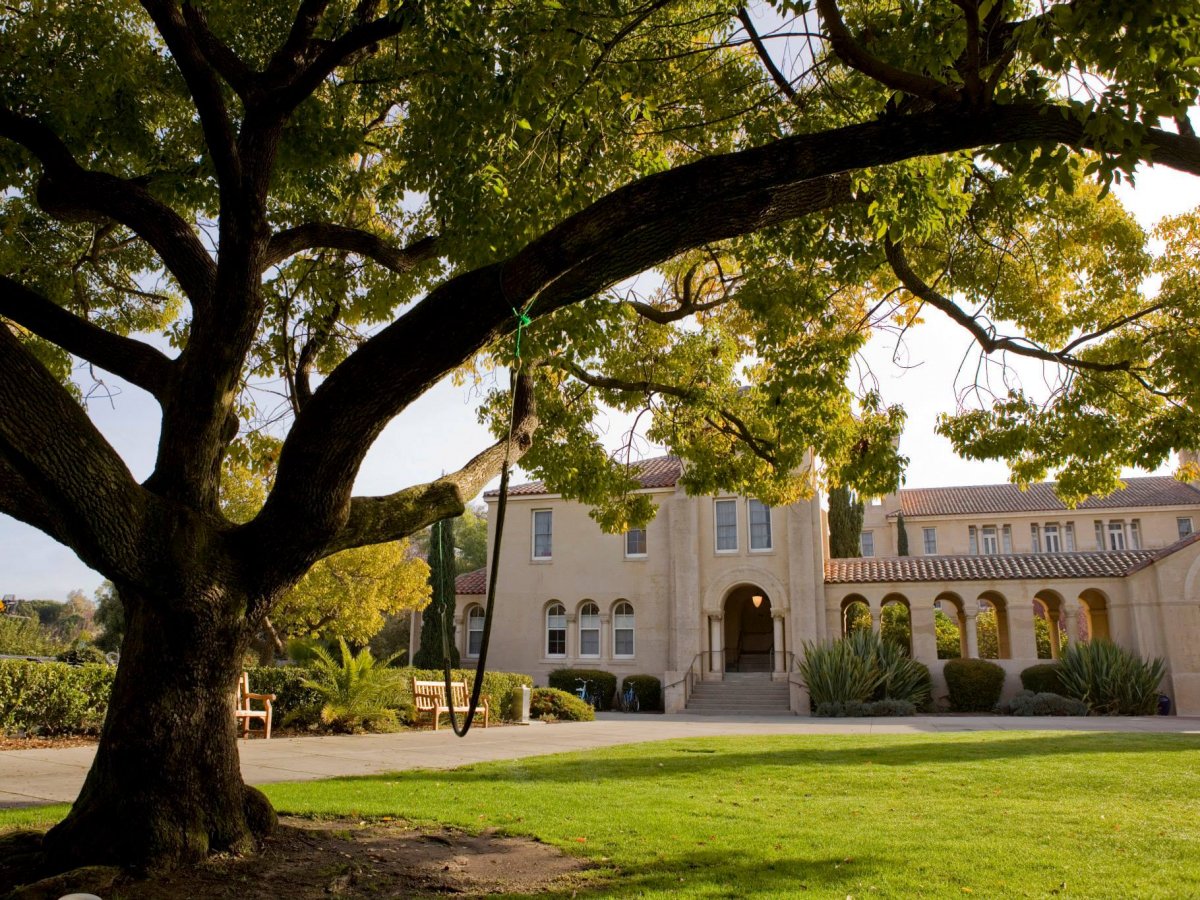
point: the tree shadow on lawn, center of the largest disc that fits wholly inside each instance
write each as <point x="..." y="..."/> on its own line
<point x="683" y="756"/>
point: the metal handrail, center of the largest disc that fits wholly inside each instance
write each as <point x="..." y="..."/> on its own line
<point x="689" y="677"/>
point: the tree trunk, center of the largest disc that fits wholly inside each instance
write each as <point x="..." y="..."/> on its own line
<point x="165" y="788"/>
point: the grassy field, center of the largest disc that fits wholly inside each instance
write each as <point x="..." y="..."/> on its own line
<point x="986" y="815"/>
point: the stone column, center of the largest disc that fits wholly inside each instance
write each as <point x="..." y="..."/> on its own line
<point x="970" y="633"/>
<point x="1071" y="615"/>
<point x="876" y="614"/>
<point x="924" y="634"/>
<point x="1055" y="634"/>
<point x="716" y="644"/>
<point x="572" y="637"/>
<point x="777" y="616"/>
<point x="1022" y="639"/>
<point x="685" y="621"/>
<point x="605" y="636"/>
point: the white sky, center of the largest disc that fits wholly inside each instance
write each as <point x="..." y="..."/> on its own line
<point x="439" y="432"/>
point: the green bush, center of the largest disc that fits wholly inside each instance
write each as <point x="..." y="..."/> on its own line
<point x="295" y="703"/>
<point x="603" y="683"/>
<point x="501" y="688"/>
<point x="855" y="709"/>
<point x="551" y="703"/>
<point x="1029" y="703"/>
<point x="26" y="636"/>
<point x="1111" y="680"/>
<point x="53" y="698"/>
<point x="1042" y="679"/>
<point x="648" y="690"/>
<point x="81" y="653"/>
<point x="356" y="692"/>
<point x="974" y="684"/>
<point x="861" y="668"/>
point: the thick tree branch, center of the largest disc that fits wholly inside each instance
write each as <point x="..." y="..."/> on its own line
<point x="850" y="52"/>
<point x="69" y="192"/>
<point x="326" y="235"/>
<point x="86" y="497"/>
<point x="373" y="520"/>
<point x="291" y="54"/>
<point x="626" y="232"/>
<point x="985" y="336"/>
<point x="130" y="359"/>
<point x="218" y="54"/>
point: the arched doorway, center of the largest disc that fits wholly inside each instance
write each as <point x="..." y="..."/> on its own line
<point x="749" y="631"/>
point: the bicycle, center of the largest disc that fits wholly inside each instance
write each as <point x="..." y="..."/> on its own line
<point x="629" y="699"/>
<point x="586" y="694"/>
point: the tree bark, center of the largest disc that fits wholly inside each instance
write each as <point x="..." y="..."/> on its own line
<point x="165" y="788"/>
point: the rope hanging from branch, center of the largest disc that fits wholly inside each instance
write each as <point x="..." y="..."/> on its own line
<point x="523" y="321"/>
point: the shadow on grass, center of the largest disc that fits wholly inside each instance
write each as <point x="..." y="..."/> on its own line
<point x="690" y="756"/>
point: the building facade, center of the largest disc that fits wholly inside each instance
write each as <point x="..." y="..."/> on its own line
<point x="721" y="585"/>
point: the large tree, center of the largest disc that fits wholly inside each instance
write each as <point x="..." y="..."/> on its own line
<point x="352" y="199"/>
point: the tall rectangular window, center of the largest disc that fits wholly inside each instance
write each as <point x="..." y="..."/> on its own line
<point x="1116" y="535"/>
<point x="556" y="630"/>
<point x="991" y="542"/>
<point x="589" y="630"/>
<point x="1035" y="540"/>
<point x="930" y="535"/>
<point x="866" y="543"/>
<point x="972" y="540"/>
<point x="726" y="518"/>
<point x="1135" y="535"/>
<point x="1052" y="543"/>
<point x="1184" y="524"/>
<point x="623" y="622"/>
<point x="1069" y="537"/>
<point x="1006" y="538"/>
<point x="635" y="542"/>
<point x="1099" y="535"/>
<point x="760" y="525"/>
<point x="542" y="533"/>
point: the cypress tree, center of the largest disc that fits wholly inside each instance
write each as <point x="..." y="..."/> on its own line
<point x="441" y="605"/>
<point x="845" y="523"/>
<point x="901" y="536"/>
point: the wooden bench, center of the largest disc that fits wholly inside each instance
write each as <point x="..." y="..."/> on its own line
<point x="244" y="712"/>
<point x="430" y="697"/>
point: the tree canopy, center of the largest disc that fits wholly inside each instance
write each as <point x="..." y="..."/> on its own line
<point x="341" y="202"/>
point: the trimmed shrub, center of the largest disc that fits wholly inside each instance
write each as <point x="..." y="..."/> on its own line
<point x="1042" y="679"/>
<point x="1111" y="680"/>
<point x="855" y="709"/>
<point x="551" y="703"/>
<point x="974" y="684"/>
<point x="648" y="690"/>
<point x="81" y="653"/>
<point x="861" y="668"/>
<point x="53" y="698"/>
<point x="501" y="688"/>
<point x="603" y="683"/>
<point x="1028" y="703"/>
<point x="295" y="703"/>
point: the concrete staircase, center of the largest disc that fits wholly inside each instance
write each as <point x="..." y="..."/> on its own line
<point x="740" y="694"/>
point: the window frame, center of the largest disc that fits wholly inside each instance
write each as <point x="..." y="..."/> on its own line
<point x="929" y="538"/>
<point x="1035" y="538"/>
<point x="533" y="550"/>
<point x="547" y="630"/>
<point x="1048" y="533"/>
<point x="986" y="532"/>
<point x="973" y="540"/>
<point x="750" y="501"/>
<point x="1068" y="537"/>
<point x="471" y="616"/>
<point x="632" y="629"/>
<point x="717" y="526"/>
<point x="1179" y="520"/>
<point x="1116" y="529"/>
<point x="596" y="628"/>
<point x="1133" y="535"/>
<point x="645" y="542"/>
<point x="865" y="536"/>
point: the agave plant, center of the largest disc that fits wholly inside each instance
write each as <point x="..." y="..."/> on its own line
<point x="359" y="691"/>
<point x="1111" y="680"/>
<point x="861" y="667"/>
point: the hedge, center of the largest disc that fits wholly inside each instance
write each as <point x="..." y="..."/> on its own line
<point x="1028" y="703"/>
<point x="648" y="690"/>
<point x="294" y="703"/>
<point x="551" y="703"/>
<point x="501" y="688"/>
<point x="1042" y="679"/>
<point x="974" y="684"/>
<point x="603" y="683"/>
<point x="53" y="698"/>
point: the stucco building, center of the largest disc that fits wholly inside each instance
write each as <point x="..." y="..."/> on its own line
<point x="720" y="593"/>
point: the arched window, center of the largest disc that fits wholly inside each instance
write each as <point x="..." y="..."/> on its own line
<point x="556" y="630"/>
<point x="589" y="630"/>
<point x="623" y="629"/>
<point x="474" y="630"/>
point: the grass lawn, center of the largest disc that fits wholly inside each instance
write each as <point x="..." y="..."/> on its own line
<point x="986" y="814"/>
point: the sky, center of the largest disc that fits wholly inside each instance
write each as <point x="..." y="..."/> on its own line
<point x="439" y="432"/>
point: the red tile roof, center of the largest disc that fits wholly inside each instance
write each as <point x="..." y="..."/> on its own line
<point x="471" y="582"/>
<point x="656" y="472"/>
<point x="991" y="567"/>
<point x="983" y="499"/>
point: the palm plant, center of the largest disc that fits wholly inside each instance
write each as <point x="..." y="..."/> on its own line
<point x="359" y="691"/>
<point x="1111" y="680"/>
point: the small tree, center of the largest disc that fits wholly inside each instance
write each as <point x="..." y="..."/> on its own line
<point x="901" y="536"/>
<point x="109" y="618"/>
<point x="948" y="640"/>
<point x="440" y="611"/>
<point x="845" y="523"/>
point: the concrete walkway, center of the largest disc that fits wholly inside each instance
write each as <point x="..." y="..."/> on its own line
<point x="29" y="777"/>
